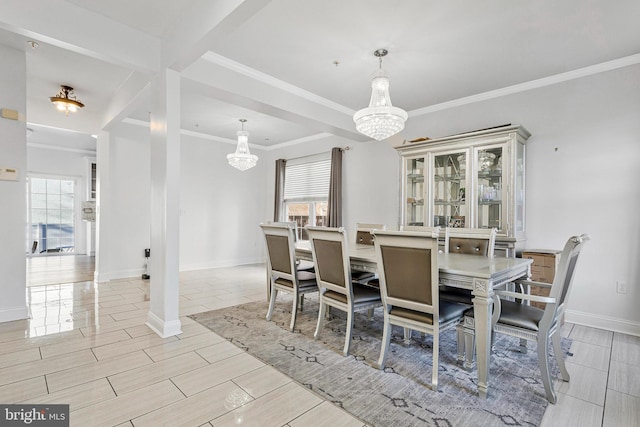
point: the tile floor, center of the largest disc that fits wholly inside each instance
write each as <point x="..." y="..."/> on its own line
<point x="87" y="345"/>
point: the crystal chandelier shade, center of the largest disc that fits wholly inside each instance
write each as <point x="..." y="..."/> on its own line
<point x="242" y="159"/>
<point x="380" y="119"/>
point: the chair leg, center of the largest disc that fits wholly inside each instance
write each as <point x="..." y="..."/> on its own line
<point x="370" y="314"/>
<point x="386" y="339"/>
<point x="321" y="316"/>
<point x="543" y="362"/>
<point x="460" y="341"/>
<point x="469" y="347"/>
<point x="347" y="338"/>
<point x="407" y="336"/>
<point x="294" y="310"/>
<point x="272" y="303"/>
<point x="557" y="352"/>
<point x="436" y="353"/>
<point x="301" y="301"/>
<point x="523" y="346"/>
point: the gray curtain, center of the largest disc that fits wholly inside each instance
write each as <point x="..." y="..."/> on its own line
<point x="334" y="210"/>
<point x="279" y="189"/>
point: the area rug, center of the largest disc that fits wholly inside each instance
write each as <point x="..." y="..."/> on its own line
<point x="399" y="395"/>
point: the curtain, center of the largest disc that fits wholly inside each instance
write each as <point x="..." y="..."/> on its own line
<point x="279" y="189"/>
<point x="334" y="205"/>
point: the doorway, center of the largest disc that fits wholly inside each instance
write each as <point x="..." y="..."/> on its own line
<point x="51" y="233"/>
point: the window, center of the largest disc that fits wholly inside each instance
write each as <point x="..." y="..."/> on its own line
<point x="50" y="215"/>
<point x="306" y="191"/>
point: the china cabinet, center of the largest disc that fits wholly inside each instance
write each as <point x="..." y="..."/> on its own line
<point x="475" y="179"/>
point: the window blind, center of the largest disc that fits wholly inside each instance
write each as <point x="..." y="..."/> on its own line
<point x="307" y="181"/>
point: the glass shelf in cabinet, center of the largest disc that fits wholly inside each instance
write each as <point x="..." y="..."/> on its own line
<point x="415" y="202"/>
<point x="450" y="178"/>
<point x="491" y="174"/>
<point x="448" y="203"/>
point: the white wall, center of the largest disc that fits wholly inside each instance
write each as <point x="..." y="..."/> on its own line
<point x="13" y="154"/>
<point x="221" y="207"/>
<point x="129" y="187"/>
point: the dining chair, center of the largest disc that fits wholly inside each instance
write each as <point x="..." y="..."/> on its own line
<point x="364" y="237"/>
<point x="282" y="269"/>
<point x="443" y="234"/>
<point x="408" y="274"/>
<point x="473" y="241"/>
<point x="363" y="232"/>
<point x="303" y="264"/>
<point x="470" y="241"/>
<point x="333" y="273"/>
<point x="518" y="319"/>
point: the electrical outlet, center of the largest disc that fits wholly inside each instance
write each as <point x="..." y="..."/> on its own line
<point x="621" y="287"/>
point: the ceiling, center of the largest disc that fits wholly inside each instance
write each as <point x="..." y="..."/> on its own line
<point x="298" y="70"/>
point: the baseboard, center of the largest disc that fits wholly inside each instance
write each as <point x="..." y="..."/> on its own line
<point x="14" y="313"/>
<point x="119" y="274"/>
<point x="603" y="322"/>
<point x="162" y="328"/>
<point x="229" y="263"/>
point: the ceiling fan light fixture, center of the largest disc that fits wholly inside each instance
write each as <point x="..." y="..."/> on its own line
<point x="380" y="119"/>
<point x="65" y="101"/>
<point x="242" y="159"/>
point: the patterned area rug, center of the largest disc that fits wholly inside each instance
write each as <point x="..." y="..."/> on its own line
<point x="399" y="395"/>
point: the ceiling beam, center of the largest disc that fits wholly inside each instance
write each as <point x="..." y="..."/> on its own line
<point x="202" y="23"/>
<point x="254" y="90"/>
<point x="84" y="32"/>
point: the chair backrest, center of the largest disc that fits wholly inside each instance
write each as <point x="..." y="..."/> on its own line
<point x="294" y="224"/>
<point x="363" y="232"/>
<point x="280" y="242"/>
<point x="331" y="259"/>
<point x="564" y="276"/>
<point x="443" y="234"/>
<point x="472" y="241"/>
<point x="408" y="269"/>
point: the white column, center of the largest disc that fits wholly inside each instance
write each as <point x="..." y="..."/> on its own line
<point x="163" y="315"/>
<point x="105" y="228"/>
<point x="13" y="208"/>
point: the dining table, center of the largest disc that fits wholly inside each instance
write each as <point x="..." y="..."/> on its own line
<point x="479" y="274"/>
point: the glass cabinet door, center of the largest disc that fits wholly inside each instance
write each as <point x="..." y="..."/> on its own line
<point x="414" y="188"/>
<point x="450" y="208"/>
<point x="490" y="212"/>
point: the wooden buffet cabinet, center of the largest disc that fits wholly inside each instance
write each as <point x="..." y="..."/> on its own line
<point x="475" y="179"/>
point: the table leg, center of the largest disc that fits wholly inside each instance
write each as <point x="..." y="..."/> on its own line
<point x="482" y="312"/>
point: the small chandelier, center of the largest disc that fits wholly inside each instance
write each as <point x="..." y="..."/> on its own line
<point x="65" y="102"/>
<point x="380" y="119"/>
<point x="242" y="159"/>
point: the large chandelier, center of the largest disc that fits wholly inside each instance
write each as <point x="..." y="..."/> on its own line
<point x="242" y="159"/>
<point x="65" y="102"/>
<point x="380" y="119"/>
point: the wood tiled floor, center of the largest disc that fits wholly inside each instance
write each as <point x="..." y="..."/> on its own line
<point x="87" y="345"/>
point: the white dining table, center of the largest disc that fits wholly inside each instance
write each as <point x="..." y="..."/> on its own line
<point x="479" y="274"/>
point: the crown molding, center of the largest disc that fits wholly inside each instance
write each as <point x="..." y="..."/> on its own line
<point x="533" y="84"/>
